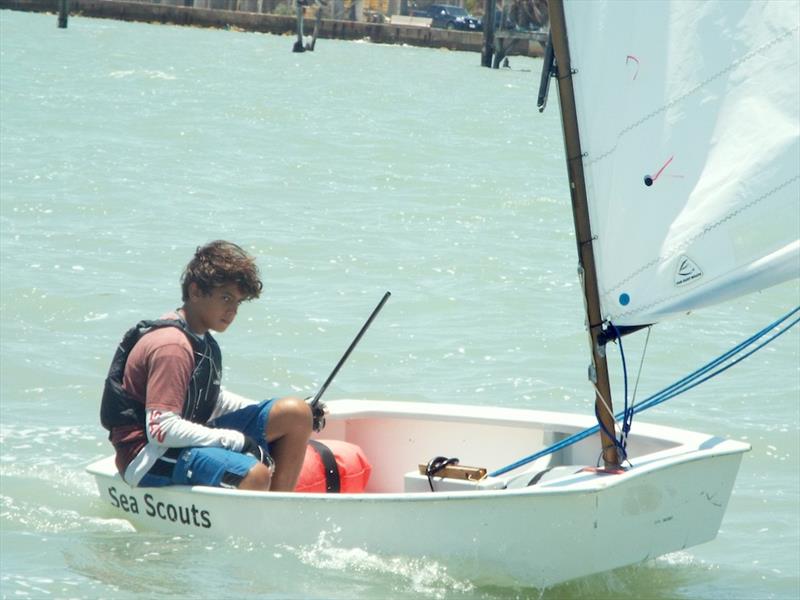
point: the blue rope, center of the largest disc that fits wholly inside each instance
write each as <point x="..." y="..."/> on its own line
<point x="659" y="398"/>
<point x="627" y="418"/>
<point x="679" y="385"/>
<point x="610" y="435"/>
<point x="692" y="380"/>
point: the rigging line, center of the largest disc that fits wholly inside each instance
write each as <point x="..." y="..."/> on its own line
<point x="616" y="443"/>
<point x="612" y="436"/>
<point x="725" y="356"/>
<point x="699" y="376"/>
<point x="655" y="401"/>
<point x="624" y="362"/>
<point x="657" y="398"/>
<point x="608" y="410"/>
<point x="641" y="364"/>
<point x="627" y="418"/>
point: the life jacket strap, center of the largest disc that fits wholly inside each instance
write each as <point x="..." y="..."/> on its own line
<point x="332" y="481"/>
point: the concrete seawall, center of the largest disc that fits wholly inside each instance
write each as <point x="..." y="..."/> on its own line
<point x="381" y="33"/>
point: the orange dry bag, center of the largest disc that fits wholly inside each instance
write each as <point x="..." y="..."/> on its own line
<point x="333" y="466"/>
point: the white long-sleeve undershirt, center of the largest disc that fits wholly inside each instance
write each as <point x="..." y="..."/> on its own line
<point x="168" y="429"/>
<point x="228" y="402"/>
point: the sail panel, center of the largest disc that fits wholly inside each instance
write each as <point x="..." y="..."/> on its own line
<point x="690" y="126"/>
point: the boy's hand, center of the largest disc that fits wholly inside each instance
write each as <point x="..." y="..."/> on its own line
<point x="318" y="412"/>
<point x="253" y="448"/>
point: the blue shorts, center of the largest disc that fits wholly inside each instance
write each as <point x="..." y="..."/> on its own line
<point x="212" y="465"/>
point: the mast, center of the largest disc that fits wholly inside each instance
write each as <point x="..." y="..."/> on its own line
<point x="598" y="370"/>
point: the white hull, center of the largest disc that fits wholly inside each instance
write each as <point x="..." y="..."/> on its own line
<point x="559" y="529"/>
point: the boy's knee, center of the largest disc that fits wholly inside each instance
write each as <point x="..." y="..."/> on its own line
<point x="296" y="409"/>
<point x="289" y="416"/>
<point x="257" y="478"/>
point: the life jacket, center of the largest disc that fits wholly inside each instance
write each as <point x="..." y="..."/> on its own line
<point x="119" y="409"/>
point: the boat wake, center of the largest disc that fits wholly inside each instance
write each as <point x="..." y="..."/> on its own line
<point x="422" y="576"/>
<point x="660" y="578"/>
<point x="49" y="520"/>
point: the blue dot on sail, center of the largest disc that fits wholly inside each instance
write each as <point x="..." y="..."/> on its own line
<point x="624" y="299"/>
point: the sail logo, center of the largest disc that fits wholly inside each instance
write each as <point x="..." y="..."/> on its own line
<point x="687" y="271"/>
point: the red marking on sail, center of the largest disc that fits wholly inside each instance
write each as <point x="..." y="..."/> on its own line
<point x="630" y="58"/>
<point x="661" y="170"/>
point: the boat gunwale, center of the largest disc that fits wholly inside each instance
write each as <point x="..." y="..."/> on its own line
<point x="689" y="448"/>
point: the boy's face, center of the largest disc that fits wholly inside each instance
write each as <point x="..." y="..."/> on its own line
<point x="218" y="309"/>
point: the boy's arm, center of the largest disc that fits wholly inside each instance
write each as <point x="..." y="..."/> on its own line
<point x="227" y="402"/>
<point x="166" y="428"/>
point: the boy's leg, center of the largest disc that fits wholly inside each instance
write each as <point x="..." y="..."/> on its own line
<point x="283" y="426"/>
<point x="220" y="468"/>
<point x="288" y="430"/>
<point x="259" y="479"/>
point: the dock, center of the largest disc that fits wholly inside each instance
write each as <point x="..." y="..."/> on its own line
<point x="524" y="43"/>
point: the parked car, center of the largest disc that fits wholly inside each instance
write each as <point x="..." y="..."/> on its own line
<point x="447" y="16"/>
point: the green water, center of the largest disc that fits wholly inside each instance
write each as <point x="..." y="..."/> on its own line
<point x="349" y="171"/>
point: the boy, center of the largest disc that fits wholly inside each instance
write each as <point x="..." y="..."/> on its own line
<point x="170" y="421"/>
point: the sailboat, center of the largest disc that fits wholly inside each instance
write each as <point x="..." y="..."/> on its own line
<point x="681" y="128"/>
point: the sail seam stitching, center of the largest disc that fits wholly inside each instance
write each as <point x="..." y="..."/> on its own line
<point x="696" y="88"/>
<point x="683" y="245"/>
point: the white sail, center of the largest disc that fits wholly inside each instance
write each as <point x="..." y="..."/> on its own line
<point x="689" y="121"/>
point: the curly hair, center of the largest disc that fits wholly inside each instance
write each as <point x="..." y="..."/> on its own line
<point x="219" y="263"/>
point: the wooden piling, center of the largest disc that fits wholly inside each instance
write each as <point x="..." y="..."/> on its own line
<point x="505" y="43"/>
<point x="63" y="13"/>
<point x="489" y="7"/>
<point x="317" y="25"/>
<point x="298" y="45"/>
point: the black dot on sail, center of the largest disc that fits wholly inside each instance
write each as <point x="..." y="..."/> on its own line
<point x="648" y="181"/>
